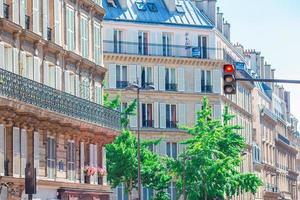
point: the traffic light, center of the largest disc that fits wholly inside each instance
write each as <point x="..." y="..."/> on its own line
<point x="229" y="79"/>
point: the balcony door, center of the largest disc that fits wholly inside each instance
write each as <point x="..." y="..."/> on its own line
<point x="170" y="77"/>
<point x="206" y="81"/>
<point x="146" y="76"/>
<point x="143" y="46"/>
<point x="121" y="76"/>
<point x="166" y="40"/>
<point x="171" y="120"/>
<point x="117" y="41"/>
<point x="202" y="45"/>
<point x="147" y="116"/>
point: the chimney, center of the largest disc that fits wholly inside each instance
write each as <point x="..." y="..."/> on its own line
<point x="240" y="48"/>
<point x="262" y="67"/>
<point x="226" y="28"/>
<point x="268" y="73"/>
<point x="123" y="4"/>
<point x="208" y="7"/>
<point x="219" y="20"/>
<point x="170" y="5"/>
<point x="272" y="77"/>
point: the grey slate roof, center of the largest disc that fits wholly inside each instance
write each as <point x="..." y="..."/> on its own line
<point x="191" y="16"/>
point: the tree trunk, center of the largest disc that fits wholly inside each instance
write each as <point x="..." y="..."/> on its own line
<point x="130" y="195"/>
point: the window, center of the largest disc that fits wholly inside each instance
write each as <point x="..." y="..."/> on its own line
<point x="146" y="76"/>
<point x="166" y="39"/>
<point x="121" y="193"/>
<point x="70" y="29"/>
<point x="147" y="117"/>
<point x="71" y="160"/>
<point x="172" y="191"/>
<point x="121" y="76"/>
<point x="28" y="72"/>
<point x="117" y="41"/>
<point x="172" y="149"/>
<point x="171" y="121"/>
<point x="84" y="33"/>
<point x="206" y="81"/>
<point x="143" y="43"/>
<point x="51" y="157"/>
<point x="97" y="44"/>
<point x="8" y="59"/>
<point x="85" y="88"/>
<point x="179" y="9"/>
<point x="54" y="76"/>
<point x="140" y="5"/>
<point x="202" y="45"/>
<point x="170" y="79"/>
<point x="98" y="93"/>
<point x="147" y="193"/>
<point x="152" y="7"/>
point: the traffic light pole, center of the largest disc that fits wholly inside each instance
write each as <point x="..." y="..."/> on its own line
<point x="268" y="80"/>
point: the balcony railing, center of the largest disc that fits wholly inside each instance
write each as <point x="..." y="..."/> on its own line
<point x="6" y="10"/>
<point x="171" y="124"/>
<point x="171" y="87"/>
<point x="49" y="34"/>
<point x="271" y="188"/>
<point x="152" y="49"/>
<point x="148" y="123"/>
<point x="206" y="88"/>
<point x="122" y="84"/>
<point x="283" y="139"/>
<point x="27" y="22"/>
<point x="37" y="94"/>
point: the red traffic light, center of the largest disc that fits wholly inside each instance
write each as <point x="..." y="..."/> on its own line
<point x="229" y="68"/>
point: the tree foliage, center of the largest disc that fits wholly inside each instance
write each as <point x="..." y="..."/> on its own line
<point x="209" y="167"/>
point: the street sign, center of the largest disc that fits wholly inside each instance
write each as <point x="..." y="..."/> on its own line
<point x="196" y="52"/>
<point x="240" y="66"/>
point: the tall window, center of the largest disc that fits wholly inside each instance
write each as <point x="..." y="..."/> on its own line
<point x="71" y="160"/>
<point x="166" y="39"/>
<point x="117" y="41"/>
<point x="121" y="76"/>
<point x="202" y="45"/>
<point x="146" y="76"/>
<point x="97" y="43"/>
<point x="98" y="93"/>
<point x="70" y="29"/>
<point x="51" y="157"/>
<point x="147" y="193"/>
<point x="8" y="59"/>
<point x="206" y="81"/>
<point x="143" y="43"/>
<point x="147" y="116"/>
<point x="172" y="149"/>
<point x="84" y="32"/>
<point x="121" y="193"/>
<point x="172" y="191"/>
<point x="85" y="88"/>
<point x="53" y="78"/>
<point x="171" y="79"/>
<point x="28" y="72"/>
<point x="171" y="116"/>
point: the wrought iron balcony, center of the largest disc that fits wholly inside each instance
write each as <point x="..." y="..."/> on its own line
<point x="49" y="34"/>
<point x="27" y="22"/>
<point x="6" y="10"/>
<point x="206" y="88"/>
<point x="171" y="124"/>
<point x="168" y="50"/>
<point x="283" y="139"/>
<point x="171" y="87"/>
<point x="122" y="84"/>
<point x="148" y="123"/>
<point x="17" y="87"/>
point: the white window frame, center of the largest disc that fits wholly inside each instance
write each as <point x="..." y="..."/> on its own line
<point x="167" y="47"/>
<point x="143" y="45"/>
<point x="98" y="93"/>
<point x="70" y="26"/>
<point x="146" y="113"/>
<point x="123" y="69"/>
<point x="170" y="149"/>
<point x="84" y="36"/>
<point x="172" y="190"/>
<point x="200" y="37"/>
<point x="148" y="74"/>
<point x="51" y="157"/>
<point x="205" y="79"/>
<point x="97" y="43"/>
<point x="124" y="193"/>
<point x="117" y="40"/>
<point x="71" y="160"/>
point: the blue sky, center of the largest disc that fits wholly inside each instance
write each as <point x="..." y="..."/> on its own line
<point x="273" y="28"/>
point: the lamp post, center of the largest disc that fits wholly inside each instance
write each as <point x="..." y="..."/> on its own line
<point x="137" y="87"/>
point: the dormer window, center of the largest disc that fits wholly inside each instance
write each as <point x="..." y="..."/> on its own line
<point x="152" y="7"/>
<point x="179" y="9"/>
<point x="111" y="3"/>
<point x="141" y="5"/>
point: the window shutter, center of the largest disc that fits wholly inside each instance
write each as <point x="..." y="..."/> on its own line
<point x="36" y="152"/>
<point x="217" y="76"/>
<point x="15" y="58"/>
<point x="2" y="149"/>
<point x="162" y="117"/>
<point x="139" y="74"/>
<point x="153" y="48"/>
<point x="22" y="13"/>
<point x="36" y="66"/>
<point x="52" y="76"/>
<point x="162" y="148"/>
<point x="15" y="11"/>
<point x="46" y="73"/>
<point x="98" y="93"/>
<point x="45" y="18"/>
<point x="23" y="151"/>
<point x="156" y="115"/>
<point x="159" y="49"/>
<point x="132" y="73"/>
<point x="2" y="50"/>
<point x="155" y="77"/>
<point x="104" y="164"/>
<point x="58" y="75"/>
<point x="16" y="152"/>
<point x="197" y="109"/>
<point x="112" y="75"/>
<point x="36" y="16"/>
<point x="23" y="64"/>
<point x="182" y="114"/>
<point x="67" y="81"/>
<point x="162" y="78"/>
<point x="77" y="85"/>
<point x="57" y="32"/>
<point x="181" y="81"/>
<point x="217" y="111"/>
<point x="82" y="161"/>
<point x="197" y="77"/>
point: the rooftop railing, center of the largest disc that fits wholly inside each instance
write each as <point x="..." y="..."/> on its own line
<point x="31" y="92"/>
<point x="166" y="50"/>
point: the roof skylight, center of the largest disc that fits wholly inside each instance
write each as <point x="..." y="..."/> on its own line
<point x="140" y="5"/>
<point x="179" y="9"/>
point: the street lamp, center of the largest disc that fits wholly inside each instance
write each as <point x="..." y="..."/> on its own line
<point x="137" y="87"/>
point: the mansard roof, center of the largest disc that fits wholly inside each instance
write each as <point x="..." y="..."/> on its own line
<point x="186" y="13"/>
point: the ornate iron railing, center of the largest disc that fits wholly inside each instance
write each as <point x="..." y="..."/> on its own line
<point x="28" y="91"/>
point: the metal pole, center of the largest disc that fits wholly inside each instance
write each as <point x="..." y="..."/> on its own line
<point x="139" y="145"/>
<point x="268" y="80"/>
<point x="30" y="197"/>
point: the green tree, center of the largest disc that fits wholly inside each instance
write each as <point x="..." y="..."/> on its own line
<point x="209" y="167"/>
<point x="122" y="158"/>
